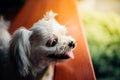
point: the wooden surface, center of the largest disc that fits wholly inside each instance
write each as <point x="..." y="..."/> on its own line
<point x="81" y="67"/>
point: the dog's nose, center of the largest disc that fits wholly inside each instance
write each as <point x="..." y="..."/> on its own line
<point x="71" y="44"/>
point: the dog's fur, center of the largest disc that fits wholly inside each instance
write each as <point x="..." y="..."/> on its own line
<point x="32" y="51"/>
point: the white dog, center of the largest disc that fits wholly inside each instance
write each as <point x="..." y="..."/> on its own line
<point x="33" y="51"/>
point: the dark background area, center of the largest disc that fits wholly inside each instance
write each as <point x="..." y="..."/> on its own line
<point x="9" y="8"/>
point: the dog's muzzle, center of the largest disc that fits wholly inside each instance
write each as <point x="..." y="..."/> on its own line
<point x="65" y="55"/>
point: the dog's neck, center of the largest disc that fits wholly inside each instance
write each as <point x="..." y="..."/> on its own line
<point x="38" y="72"/>
<point x="43" y="73"/>
<point x="35" y="74"/>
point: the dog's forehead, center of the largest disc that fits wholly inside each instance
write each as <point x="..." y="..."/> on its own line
<point x="49" y="27"/>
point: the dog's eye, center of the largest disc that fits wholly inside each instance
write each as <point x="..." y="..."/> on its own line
<point x="54" y="42"/>
<point x="51" y="43"/>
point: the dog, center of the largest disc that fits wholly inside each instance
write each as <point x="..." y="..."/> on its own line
<point x="5" y="37"/>
<point x="4" y="34"/>
<point x="32" y="52"/>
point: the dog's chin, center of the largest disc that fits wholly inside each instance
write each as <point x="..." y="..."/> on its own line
<point x="61" y="57"/>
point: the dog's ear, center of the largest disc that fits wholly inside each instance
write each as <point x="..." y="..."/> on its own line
<point x="20" y="50"/>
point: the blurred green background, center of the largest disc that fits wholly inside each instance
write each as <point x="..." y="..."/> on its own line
<point x="102" y="28"/>
<point x="101" y="19"/>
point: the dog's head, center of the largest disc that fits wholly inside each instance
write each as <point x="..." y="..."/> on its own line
<point x="45" y="43"/>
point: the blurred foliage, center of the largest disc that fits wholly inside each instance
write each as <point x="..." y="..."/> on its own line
<point x="103" y="35"/>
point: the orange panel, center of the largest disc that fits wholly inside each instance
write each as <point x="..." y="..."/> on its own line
<point x="81" y="67"/>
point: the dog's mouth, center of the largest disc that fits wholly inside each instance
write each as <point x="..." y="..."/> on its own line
<point x="67" y="55"/>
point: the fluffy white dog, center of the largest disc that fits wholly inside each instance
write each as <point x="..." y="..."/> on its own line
<point x="33" y="51"/>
